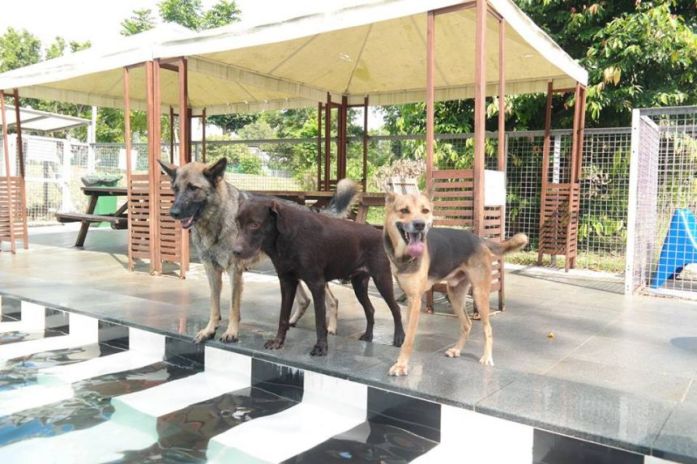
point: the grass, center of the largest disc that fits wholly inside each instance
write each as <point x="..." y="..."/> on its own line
<point x="605" y="262"/>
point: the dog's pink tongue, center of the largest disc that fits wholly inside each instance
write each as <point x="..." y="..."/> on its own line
<point x="415" y="249"/>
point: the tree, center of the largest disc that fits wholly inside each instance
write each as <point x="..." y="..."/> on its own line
<point x="221" y="14"/>
<point x="140" y="21"/>
<point x="18" y="48"/>
<point x="184" y="12"/>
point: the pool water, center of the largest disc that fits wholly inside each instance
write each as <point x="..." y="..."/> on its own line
<point x="74" y="389"/>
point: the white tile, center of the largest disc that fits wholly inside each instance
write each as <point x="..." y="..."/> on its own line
<point x="84" y="328"/>
<point x="655" y="460"/>
<point x="32" y="396"/>
<point x="102" y="443"/>
<point x="330" y="406"/>
<point x="11" y="326"/>
<point x="488" y="439"/>
<point x="33" y="317"/>
<point x="227" y="363"/>
<point x="147" y="343"/>
<point x="118" y="362"/>
<point x="141" y="409"/>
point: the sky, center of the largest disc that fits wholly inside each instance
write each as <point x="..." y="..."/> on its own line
<point x="99" y="20"/>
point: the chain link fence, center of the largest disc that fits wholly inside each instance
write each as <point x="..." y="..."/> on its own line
<point x="53" y="181"/>
<point x="663" y="237"/>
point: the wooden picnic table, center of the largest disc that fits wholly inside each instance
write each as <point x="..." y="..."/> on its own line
<point x="322" y="198"/>
<point x="117" y="219"/>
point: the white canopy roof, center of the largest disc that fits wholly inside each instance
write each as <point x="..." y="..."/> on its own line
<point x="43" y="121"/>
<point x="375" y="48"/>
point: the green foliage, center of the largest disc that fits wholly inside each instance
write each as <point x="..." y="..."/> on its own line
<point x="190" y="13"/>
<point x="249" y="163"/>
<point x="18" y="48"/>
<point x="140" y="21"/>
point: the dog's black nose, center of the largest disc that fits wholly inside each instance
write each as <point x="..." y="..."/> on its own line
<point x="175" y="211"/>
<point x="418" y="225"/>
<point x="237" y="250"/>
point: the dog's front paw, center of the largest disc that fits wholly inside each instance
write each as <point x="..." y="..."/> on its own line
<point x="319" y="350"/>
<point x="487" y="360"/>
<point x="399" y="369"/>
<point x="204" y="335"/>
<point x="229" y="337"/>
<point x="398" y="339"/>
<point x="453" y="353"/>
<point x="366" y="337"/>
<point x="274" y="344"/>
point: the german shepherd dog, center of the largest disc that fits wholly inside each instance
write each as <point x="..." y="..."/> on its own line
<point x="205" y="203"/>
<point x="422" y="255"/>
<point x="316" y="248"/>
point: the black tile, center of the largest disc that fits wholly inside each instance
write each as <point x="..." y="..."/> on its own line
<point x="551" y="448"/>
<point x="414" y="415"/>
<point x="369" y="442"/>
<point x="281" y="380"/>
<point x="57" y="323"/>
<point x="113" y="334"/>
<point x="184" y="353"/>
<point x="11" y="309"/>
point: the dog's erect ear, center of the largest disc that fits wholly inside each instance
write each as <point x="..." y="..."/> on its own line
<point x="390" y="197"/>
<point x="216" y="170"/>
<point x="169" y="169"/>
<point x="428" y="193"/>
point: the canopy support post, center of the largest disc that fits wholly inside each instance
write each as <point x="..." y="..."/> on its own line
<point x="21" y="170"/>
<point x="204" y="120"/>
<point x="365" y="144"/>
<point x="430" y="93"/>
<point x="184" y="154"/>
<point x="327" y="140"/>
<point x="545" y="164"/>
<point x="479" y="116"/>
<point x="127" y="140"/>
<point x="8" y="177"/>
<point x="319" y="146"/>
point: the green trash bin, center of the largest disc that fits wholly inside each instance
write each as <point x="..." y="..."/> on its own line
<point x="105" y="205"/>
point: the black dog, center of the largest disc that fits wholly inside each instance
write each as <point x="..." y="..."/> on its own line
<point x="316" y="249"/>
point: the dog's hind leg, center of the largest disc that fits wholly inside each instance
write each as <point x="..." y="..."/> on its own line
<point x="360" y="287"/>
<point x="458" y="295"/>
<point x="237" y="284"/>
<point x="288" y="289"/>
<point x="481" y="285"/>
<point x="383" y="282"/>
<point x="332" y="311"/>
<point x="302" y="301"/>
<point x="215" y="282"/>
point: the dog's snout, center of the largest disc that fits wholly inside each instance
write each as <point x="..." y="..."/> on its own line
<point x="175" y="211"/>
<point x="418" y="225"/>
<point x="237" y="250"/>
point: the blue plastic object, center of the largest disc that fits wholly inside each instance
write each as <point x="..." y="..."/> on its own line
<point x="679" y="248"/>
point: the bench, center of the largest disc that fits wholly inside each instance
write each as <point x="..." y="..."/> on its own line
<point x="117" y="222"/>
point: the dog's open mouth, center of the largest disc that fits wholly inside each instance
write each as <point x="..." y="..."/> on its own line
<point x="414" y="240"/>
<point x="188" y="222"/>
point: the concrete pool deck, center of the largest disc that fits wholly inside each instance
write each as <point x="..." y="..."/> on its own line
<point x="619" y="371"/>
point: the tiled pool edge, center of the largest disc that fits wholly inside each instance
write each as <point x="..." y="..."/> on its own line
<point x="311" y="365"/>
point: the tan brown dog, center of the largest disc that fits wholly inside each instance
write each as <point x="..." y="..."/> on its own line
<point x="421" y="256"/>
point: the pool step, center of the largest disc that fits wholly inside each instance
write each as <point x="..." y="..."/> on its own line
<point x="330" y="406"/>
<point x="225" y="372"/>
<point x="83" y="331"/>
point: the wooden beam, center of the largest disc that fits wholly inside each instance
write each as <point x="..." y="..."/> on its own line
<point x="184" y="153"/>
<point x="573" y="178"/>
<point x="327" y="140"/>
<point x="365" y="144"/>
<point x="430" y="92"/>
<point x="501" y="164"/>
<point x="453" y="8"/>
<point x="127" y="140"/>
<point x="171" y="135"/>
<point x="545" y="163"/>
<point x="204" y="120"/>
<point x="20" y="160"/>
<point x="319" y="146"/>
<point x="479" y="115"/>
<point x="8" y="177"/>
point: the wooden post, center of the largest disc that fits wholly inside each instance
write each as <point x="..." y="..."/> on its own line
<point x="171" y="134"/>
<point x="184" y="154"/>
<point x="8" y="177"/>
<point x="127" y="139"/>
<point x="152" y="76"/>
<point x="430" y="92"/>
<point x="581" y="131"/>
<point x="479" y="116"/>
<point x="365" y="144"/>
<point x="327" y="140"/>
<point x="545" y="164"/>
<point x="20" y="161"/>
<point x="501" y="164"/>
<point x="319" y="146"/>
<point x="204" y="120"/>
<point x="573" y="178"/>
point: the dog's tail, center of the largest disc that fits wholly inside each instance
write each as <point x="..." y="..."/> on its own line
<point x="343" y="200"/>
<point x="515" y="243"/>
